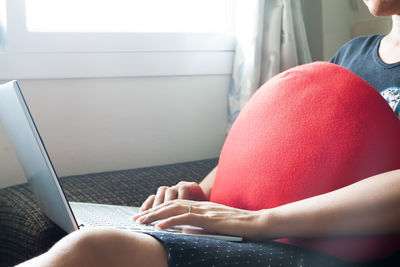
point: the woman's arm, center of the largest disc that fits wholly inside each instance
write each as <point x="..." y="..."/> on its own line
<point x="208" y="182"/>
<point x="368" y="207"/>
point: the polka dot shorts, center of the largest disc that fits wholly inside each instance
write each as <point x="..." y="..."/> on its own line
<point x="186" y="250"/>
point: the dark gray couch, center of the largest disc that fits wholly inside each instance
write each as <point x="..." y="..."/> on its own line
<point x="25" y="232"/>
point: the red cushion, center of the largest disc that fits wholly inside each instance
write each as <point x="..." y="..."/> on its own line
<point x="310" y="130"/>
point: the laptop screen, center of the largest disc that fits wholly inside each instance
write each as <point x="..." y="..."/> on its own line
<point x="31" y="152"/>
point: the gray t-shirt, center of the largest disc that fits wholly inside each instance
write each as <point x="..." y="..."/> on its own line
<point x="360" y="56"/>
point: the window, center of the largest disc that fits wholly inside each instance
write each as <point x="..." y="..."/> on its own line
<point x="114" y="26"/>
<point x="126" y="16"/>
<point x="3" y="26"/>
<point x="117" y="38"/>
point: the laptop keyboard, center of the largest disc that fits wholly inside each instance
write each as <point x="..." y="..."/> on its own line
<point x="120" y="217"/>
<point x="108" y="216"/>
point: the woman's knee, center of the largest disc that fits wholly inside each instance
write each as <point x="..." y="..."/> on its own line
<point x="110" y="247"/>
<point x="78" y="248"/>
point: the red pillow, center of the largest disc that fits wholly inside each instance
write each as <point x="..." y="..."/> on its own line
<point x="308" y="131"/>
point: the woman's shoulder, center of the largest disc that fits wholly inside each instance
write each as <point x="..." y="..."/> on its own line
<point x="361" y="45"/>
<point x="366" y="40"/>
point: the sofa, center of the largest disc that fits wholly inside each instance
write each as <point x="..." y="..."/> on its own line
<point x="26" y="232"/>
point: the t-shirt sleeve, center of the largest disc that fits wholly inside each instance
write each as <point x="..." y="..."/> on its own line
<point x="338" y="56"/>
<point x="335" y="57"/>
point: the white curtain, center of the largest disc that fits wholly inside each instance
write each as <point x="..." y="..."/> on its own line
<point x="3" y="36"/>
<point x="271" y="38"/>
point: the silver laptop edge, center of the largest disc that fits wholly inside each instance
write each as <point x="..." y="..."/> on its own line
<point x="31" y="152"/>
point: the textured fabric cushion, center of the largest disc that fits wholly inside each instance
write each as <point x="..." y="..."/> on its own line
<point x="26" y="232"/>
<point x="308" y="131"/>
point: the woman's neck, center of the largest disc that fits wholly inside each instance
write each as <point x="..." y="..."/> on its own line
<point x="389" y="48"/>
<point x="395" y="32"/>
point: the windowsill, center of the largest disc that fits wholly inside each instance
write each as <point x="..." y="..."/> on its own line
<point x="123" y="64"/>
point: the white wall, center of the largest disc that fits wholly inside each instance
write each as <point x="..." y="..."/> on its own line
<point x="94" y="125"/>
<point x="312" y="13"/>
<point x="343" y="20"/>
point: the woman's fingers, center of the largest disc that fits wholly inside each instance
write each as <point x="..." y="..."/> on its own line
<point x="161" y="212"/>
<point x="183" y="192"/>
<point x="160" y="195"/>
<point x="222" y="219"/>
<point x="171" y="194"/>
<point x="165" y="210"/>
<point x="148" y="203"/>
<point x="191" y="190"/>
<point x="164" y="194"/>
<point x="183" y="219"/>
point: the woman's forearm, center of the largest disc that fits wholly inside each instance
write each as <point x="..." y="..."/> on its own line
<point x="368" y="207"/>
<point x="207" y="183"/>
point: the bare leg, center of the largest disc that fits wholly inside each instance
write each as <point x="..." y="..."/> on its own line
<point x="103" y="247"/>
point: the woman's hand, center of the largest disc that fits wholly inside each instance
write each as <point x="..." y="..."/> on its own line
<point x="183" y="190"/>
<point x="212" y="217"/>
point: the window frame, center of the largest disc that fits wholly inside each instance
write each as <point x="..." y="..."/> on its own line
<point x="35" y="55"/>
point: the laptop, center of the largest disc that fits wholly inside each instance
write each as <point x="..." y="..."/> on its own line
<point x="39" y="171"/>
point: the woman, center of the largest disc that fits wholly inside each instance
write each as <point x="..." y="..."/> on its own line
<point x="187" y="203"/>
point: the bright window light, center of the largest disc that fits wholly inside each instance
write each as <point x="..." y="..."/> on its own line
<point x="3" y="26"/>
<point x="126" y="15"/>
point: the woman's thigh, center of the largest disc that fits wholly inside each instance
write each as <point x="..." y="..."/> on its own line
<point x="104" y="247"/>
